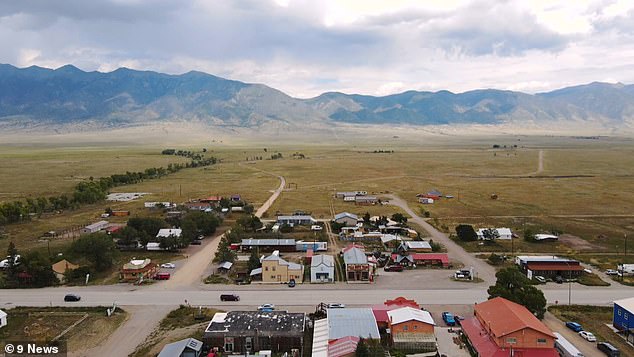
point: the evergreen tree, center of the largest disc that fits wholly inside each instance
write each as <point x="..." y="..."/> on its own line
<point x="362" y="349"/>
<point x="512" y="285"/>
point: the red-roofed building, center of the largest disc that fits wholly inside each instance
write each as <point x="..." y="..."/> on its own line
<point x="440" y="259"/>
<point x="500" y="326"/>
<point x="343" y="347"/>
<point x="380" y="311"/>
<point x="211" y="199"/>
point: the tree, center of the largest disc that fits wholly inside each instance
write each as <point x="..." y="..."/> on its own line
<point x="512" y="285"/>
<point x="224" y="254"/>
<point x="529" y="235"/>
<point x="248" y="209"/>
<point x="126" y="236"/>
<point x="466" y="233"/>
<point x="366" y="218"/>
<point x="38" y="267"/>
<point x="12" y="253"/>
<point x="495" y="259"/>
<point x="97" y="248"/>
<point x="362" y="349"/>
<point x="435" y="247"/>
<point x="250" y="223"/>
<point x="399" y="217"/>
<point x="254" y="260"/>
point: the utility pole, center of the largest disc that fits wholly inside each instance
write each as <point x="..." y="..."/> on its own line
<point x="625" y="237"/>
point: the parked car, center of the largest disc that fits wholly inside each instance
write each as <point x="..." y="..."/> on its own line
<point x="540" y="279"/>
<point x="266" y="307"/>
<point x="393" y="268"/>
<point x="574" y="326"/>
<point x="162" y="276"/>
<point x="559" y="279"/>
<point x="196" y="242"/>
<point x="336" y="306"/>
<point x="229" y="297"/>
<point x="168" y="265"/>
<point x="611" y="272"/>
<point x="589" y="271"/>
<point x="291" y="284"/>
<point x="72" y="297"/>
<point x="448" y="318"/>
<point x="608" y="349"/>
<point x="200" y="237"/>
<point x="588" y="336"/>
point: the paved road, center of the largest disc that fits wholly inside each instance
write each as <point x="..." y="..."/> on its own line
<point x="484" y="271"/>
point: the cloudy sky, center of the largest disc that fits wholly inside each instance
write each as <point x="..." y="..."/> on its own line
<point x="306" y="47"/>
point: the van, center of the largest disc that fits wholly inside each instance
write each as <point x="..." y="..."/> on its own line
<point x="229" y="297"/>
<point x="608" y="349"/>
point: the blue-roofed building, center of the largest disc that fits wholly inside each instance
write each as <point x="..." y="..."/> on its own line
<point x="189" y="347"/>
<point x="623" y="317"/>
<point x="359" y="322"/>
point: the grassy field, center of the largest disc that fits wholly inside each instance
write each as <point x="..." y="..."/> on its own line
<point x="44" y="324"/>
<point x="582" y="186"/>
<point x="593" y="319"/>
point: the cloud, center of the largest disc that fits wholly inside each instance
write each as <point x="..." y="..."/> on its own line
<point x="307" y="47"/>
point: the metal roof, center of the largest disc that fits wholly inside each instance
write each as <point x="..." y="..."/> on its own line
<point x="405" y="314"/>
<point x="273" y="322"/>
<point x="268" y="241"/>
<point x="627" y="304"/>
<point x="543" y="258"/>
<point x="177" y="348"/>
<point x="415" y="244"/>
<point x="298" y="217"/>
<point x="225" y="265"/>
<point x="358" y="322"/>
<point x="166" y="232"/>
<point x="320" y="338"/>
<point x="327" y="260"/>
<point x="256" y="271"/>
<point x="346" y="214"/>
<point x="355" y="256"/>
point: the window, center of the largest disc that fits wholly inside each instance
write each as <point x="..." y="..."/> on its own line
<point x="541" y="341"/>
<point x="511" y="340"/>
<point x="272" y="276"/>
<point x="266" y="268"/>
<point x="405" y="328"/>
<point x="415" y="327"/>
<point x="273" y="268"/>
<point x="625" y="315"/>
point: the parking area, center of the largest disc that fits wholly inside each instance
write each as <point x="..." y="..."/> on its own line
<point x="427" y="278"/>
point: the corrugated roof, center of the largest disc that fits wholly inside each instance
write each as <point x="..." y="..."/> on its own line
<point x="327" y="260"/>
<point x="346" y="214"/>
<point x="355" y="256"/>
<point x="177" y="348"/>
<point x="505" y="317"/>
<point x="258" y="242"/>
<point x="415" y="244"/>
<point x="560" y="267"/>
<point x="352" y="322"/>
<point x="407" y="313"/>
<point x="225" y="265"/>
<point x="343" y="346"/>
<point x="256" y="271"/>
<point x="627" y="304"/>
<point x="320" y="338"/>
<point x="166" y="232"/>
<point x="298" y="217"/>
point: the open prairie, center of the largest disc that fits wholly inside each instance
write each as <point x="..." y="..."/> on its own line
<point x="580" y="186"/>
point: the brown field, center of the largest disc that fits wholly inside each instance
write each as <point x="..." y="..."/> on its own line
<point x="584" y="186"/>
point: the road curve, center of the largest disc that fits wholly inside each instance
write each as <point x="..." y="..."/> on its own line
<point x="483" y="270"/>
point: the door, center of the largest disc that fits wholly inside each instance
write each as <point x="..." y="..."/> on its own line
<point x="248" y="344"/>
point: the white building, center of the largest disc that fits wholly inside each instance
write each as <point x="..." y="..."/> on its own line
<point x="3" y="319"/>
<point x="322" y="269"/>
<point x="168" y="232"/>
<point x="346" y="218"/>
<point x="499" y="233"/>
<point x="95" y="227"/>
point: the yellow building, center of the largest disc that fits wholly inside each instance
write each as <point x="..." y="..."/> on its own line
<point x="278" y="270"/>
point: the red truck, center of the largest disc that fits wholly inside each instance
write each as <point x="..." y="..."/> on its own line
<point x="162" y="276"/>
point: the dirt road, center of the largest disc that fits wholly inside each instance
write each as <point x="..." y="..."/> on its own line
<point x="588" y="349"/>
<point x="140" y="324"/>
<point x="483" y="270"/>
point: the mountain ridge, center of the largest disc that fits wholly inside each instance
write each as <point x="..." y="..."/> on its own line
<point x="38" y="96"/>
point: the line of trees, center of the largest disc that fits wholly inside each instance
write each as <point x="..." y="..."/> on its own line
<point x="87" y="192"/>
<point x="196" y="156"/>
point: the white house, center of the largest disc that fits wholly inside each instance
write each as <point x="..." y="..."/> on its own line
<point x="95" y="227"/>
<point x="168" y="232"/>
<point x="322" y="269"/>
<point x="346" y="218"/>
<point x="3" y="319"/>
<point x="499" y="233"/>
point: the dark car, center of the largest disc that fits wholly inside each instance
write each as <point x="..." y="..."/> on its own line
<point x="608" y="349"/>
<point x="72" y="297"/>
<point x="559" y="279"/>
<point x="393" y="268"/>
<point x="574" y="326"/>
<point x="448" y="318"/>
<point x="229" y="297"/>
<point x="196" y="242"/>
<point x="291" y="284"/>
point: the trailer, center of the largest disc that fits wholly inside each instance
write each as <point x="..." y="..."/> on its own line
<point x="565" y="348"/>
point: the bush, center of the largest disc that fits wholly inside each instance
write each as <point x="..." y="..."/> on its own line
<point x="466" y="233"/>
<point x="495" y="259"/>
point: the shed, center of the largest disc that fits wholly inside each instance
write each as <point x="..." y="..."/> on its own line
<point x="189" y="347"/>
<point x="3" y="319"/>
<point x="224" y="267"/>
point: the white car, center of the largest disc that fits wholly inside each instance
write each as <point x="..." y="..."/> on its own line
<point x="266" y="307"/>
<point x="588" y="336"/>
<point x="540" y="278"/>
<point x="611" y="272"/>
<point x="168" y="265"/>
<point x="336" y="306"/>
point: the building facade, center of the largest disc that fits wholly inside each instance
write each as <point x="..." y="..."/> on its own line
<point x="322" y="269"/>
<point x="278" y="270"/>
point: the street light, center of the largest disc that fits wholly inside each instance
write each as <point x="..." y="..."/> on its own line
<point x="569" y="282"/>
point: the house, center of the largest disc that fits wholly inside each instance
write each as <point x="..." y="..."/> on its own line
<point x="357" y="265"/>
<point x="239" y="332"/>
<point x="380" y="310"/>
<point x="365" y="200"/>
<point x="169" y="232"/>
<point x="198" y="206"/>
<point x="346" y="218"/>
<point x="189" y="347"/>
<point x="316" y="246"/>
<point x="418" y="246"/>
<point x="95" y="227"/>
<point x="120" y="213"/>
<point x="137" y="270"/>
<point x="391" y="240"/>
<point x="113" y="229"/>
<point x="422" y="259"/>
<point x="433" y="194"/>
<point x="426" y="200"/>
<point x="494" y="233"/>
<point x="278" y="270"/>
<point x="283" y="245"/>
<point x="411" y="330"/>
<point x="623" y="317"/>
<point x="3" y="319"/>
<point x="500" y="326"/>
<point x="549" y="266"/>
<point x="298" y="220"/>
<point x="350" y="194"/>
<point x="214" y="200"/>
<point x="61" y="268"/>
<point x="159" y="205"/>
<point x="322" y="269"/>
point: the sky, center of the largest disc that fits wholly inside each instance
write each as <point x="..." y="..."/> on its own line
<point x="307" y="47"/>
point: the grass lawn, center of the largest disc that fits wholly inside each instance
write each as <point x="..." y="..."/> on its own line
<point x="593" y="319"/>
<point x="45" y="323"/>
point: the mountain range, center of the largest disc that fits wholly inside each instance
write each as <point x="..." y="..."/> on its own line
<point x="68" y="96"/>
